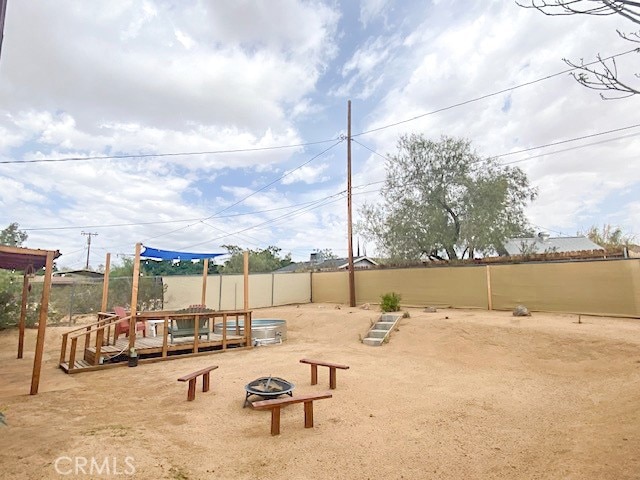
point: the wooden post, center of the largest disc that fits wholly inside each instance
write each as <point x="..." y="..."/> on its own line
<point x="134" y="297"/>
<point x="489" y="299"/>
<point x="196" y="332"/>
<point x="308" y="414"/>
<point x="105" y="284"/>
<point x="165" y="336"/>
<point x="72" y="353"/>
<point x="23" y="313"/>
<point x="247" y="329"/>
<point x="224" y="331"/>
<point x="63" y="348"/>
<point x="246" y="281"/>
<point x="352" y="279"/>
<point x="275" y="420"/>
<point x="205" y="272"/>
<point x="42" y="324"/>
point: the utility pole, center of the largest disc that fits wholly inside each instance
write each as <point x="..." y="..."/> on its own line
<point x="352" y="280"/>
<point x="88" y="235"/>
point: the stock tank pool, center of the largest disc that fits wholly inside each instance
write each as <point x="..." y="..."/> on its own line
<point x="263" y="330"/>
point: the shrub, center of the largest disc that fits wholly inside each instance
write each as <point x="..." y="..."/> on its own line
<point x="390" y="302"/>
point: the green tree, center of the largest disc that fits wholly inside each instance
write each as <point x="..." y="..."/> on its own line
<point x="150" y="288"/>
<point x="609" y="237"/>
<point x="327" y="254"/>
<point x="10" y="283"/>
<point x="442" y="199"/>
<point x="260" y="260"/>
<point x="13" y="236"/>
<point x="167" y="267"/>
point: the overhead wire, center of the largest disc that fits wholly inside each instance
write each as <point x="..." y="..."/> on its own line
<point x="493" y="94"/>
<point x="160" y="155"/>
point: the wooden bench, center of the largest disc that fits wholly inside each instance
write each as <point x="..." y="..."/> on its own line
<point x="191" y="378"/>
<point x="276" y="404"/>
<point x="332" y="370"/>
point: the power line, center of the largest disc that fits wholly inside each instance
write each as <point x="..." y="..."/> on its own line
<point x="175" y="154"/>
<point x="160" y="222"/>
<point x="488" y="95"/>
<point x="583" y="137"/>
<point x="570" y="140"/>
<point x="251" y="194"/>
<point x="570" y="149"/>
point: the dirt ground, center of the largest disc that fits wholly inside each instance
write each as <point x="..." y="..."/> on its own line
<point x="454" y="394"/>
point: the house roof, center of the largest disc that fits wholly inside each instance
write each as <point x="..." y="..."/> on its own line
<point x="19" y="258"/>
<point x="359" y="260"/>
<point x="331" y="264"/>
<point x="78" y="273"/>
<point x="539" y="244"/>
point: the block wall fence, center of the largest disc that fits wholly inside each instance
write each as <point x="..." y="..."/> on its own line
<point x="610" y="287"/>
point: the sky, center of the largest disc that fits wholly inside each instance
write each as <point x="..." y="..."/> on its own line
<point x="237" y="112"/>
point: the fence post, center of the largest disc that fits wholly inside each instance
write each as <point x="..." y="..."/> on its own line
<point x="489" y="299"/>
<point x="220" y="294"/>
<point x="272" y="287"/>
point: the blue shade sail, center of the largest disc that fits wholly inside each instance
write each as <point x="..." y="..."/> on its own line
<point x="155" y="254"/>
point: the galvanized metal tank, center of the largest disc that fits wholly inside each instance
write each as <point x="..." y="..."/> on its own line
<point x="263" y="330"/>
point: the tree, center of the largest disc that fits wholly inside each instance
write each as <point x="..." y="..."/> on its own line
<point x="260" y="261"/>
<point x="609" y="237"/>
<point x="13" y="236"/>
<point x="441" y="198"/>
<point x="327" y="254"/>
<point x="602" y="74"/>
<point x="167" y="267"/>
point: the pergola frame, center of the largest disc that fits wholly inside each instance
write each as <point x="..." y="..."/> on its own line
<point x="135" y="284"/>
<point x="29" y="261"/>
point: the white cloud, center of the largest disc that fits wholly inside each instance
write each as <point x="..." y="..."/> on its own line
<point x="87" y="78"/>
<point x="308" y="174"/>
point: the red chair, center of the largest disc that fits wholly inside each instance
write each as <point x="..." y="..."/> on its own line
<point x="123" y="327"/>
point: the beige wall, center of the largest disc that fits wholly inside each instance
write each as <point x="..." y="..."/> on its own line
<point x="455" y="286"/>
<point x="598" y="288"/>
<point x="265" y="290"/>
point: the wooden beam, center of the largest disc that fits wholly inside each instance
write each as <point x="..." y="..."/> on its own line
<point x="246" y="281"/>
<point x="105" y="283"/>
<point x="205" y="272"/>
<point x="42" y="323"/>
<point x="134" y="296"/>
<point x="23" y="314"/>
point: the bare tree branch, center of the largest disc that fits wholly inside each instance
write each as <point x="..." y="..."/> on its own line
<point x="604" y="75"/>
<point x="627" y="8"/>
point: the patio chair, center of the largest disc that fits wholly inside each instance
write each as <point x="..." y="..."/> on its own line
<point x="123" y="327"/>
<point x="184" y="327"/>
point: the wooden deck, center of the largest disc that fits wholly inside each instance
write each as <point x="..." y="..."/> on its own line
<point x="115" y="352"/>
<point x="154" y="345"/>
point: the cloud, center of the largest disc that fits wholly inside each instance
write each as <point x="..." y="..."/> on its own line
<point x="308" y="174"/>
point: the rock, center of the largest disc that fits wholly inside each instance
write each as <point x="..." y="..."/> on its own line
<point x="365" y="306"/>
<point x="521" y="311"/>
<point x="430" y="310"/>
<point x="338" y="307"/>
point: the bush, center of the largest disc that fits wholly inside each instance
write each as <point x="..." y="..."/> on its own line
<point x="390" y="302"/>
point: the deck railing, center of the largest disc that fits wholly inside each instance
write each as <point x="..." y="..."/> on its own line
<point x="98" y="334"/>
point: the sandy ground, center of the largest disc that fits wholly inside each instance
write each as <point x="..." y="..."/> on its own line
<point x="454" y="394"/>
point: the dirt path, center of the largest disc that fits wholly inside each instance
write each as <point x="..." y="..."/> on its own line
<point x="454" y="394"/>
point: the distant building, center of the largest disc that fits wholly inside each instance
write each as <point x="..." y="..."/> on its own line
<point x="317" y="263"/>
<point x="544" y="244"/>
<point x="67" y="277"/>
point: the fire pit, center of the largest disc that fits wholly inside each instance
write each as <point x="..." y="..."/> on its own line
<point x="268" y="388"/>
